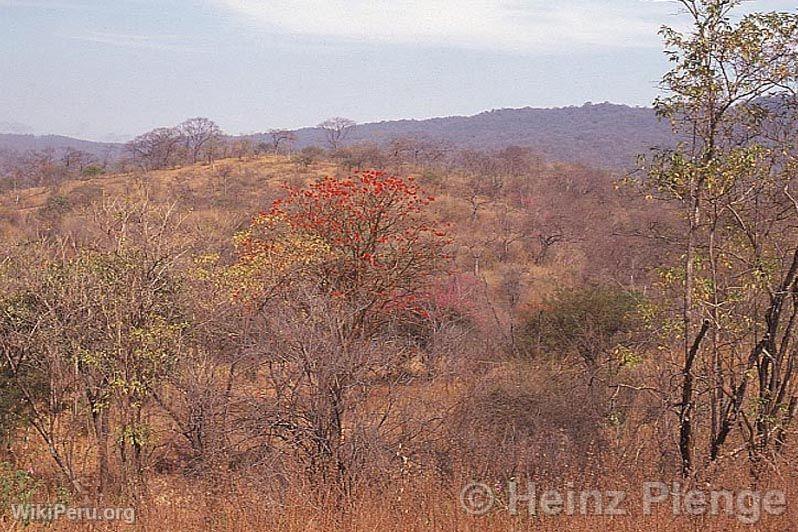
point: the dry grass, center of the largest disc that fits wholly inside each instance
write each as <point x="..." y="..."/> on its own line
<point x="176" y="505"/>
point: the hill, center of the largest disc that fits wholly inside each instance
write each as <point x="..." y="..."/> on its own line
<point x="602" y="135"/>
<point x="58" y="143"/>
<point x="145" y="272"/>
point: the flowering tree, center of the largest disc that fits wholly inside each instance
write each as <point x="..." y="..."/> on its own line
<point x="362" y="240"/>
<point x="330" y="269"/>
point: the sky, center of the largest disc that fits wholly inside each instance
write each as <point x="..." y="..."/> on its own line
<point x="111" y="69"/>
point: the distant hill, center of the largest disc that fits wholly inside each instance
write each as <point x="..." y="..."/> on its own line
<point x="602" y="135"/>
<point x="58" y="143"/>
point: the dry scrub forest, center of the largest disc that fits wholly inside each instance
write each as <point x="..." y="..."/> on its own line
<point x="233" y="335"/>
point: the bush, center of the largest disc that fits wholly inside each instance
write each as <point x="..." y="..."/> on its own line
<point x="56" y="204"/>
<point x="590" y="323"/>
<point x="530" y="420"/>
<point x="17" y="313"/>
<point x="93" y="171"/>
<point x="308" y="156"/>
<point x="16" y="487"/>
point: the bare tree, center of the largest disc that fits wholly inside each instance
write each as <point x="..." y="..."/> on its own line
<point x="279" y="137"/>
<point x="200" y="135"/>
<point x="336" y="130"/>
<point x="482" y="190"/>
<point x="77" y="160"/>
<point x="418" y="150"/>
<point x="157" y="148"/>
<point x="242" y="148"/>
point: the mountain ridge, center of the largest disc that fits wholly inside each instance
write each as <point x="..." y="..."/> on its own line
<point x="604" y="135"/>
<point x="27" y="141"/>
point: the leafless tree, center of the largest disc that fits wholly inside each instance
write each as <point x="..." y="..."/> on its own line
<point x="77" y="160"/>
<point x="157" y="148"/>
<point x="336" y="130"/>
<point x="279" y="137"/>
<point x="323" y="380"/>
<point x="200" y="135"/>
<point x="418" y="150"/>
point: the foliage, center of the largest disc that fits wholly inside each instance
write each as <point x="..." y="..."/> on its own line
<point x="731" y="97"/>
<point x="16" y="487"/>
<point x="93" y="171"/>
<point x="347" y="351"/>
<point x="17" y="312"/>
<point x="361" y="239"/>
<point x="591" y="323"/>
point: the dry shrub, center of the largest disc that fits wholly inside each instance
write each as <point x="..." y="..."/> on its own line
<point x="531" y="420"/>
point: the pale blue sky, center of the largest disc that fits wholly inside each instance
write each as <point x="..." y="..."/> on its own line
<point x="110" y="69"/>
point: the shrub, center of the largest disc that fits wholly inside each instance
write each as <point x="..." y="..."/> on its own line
<point x="16" y="487"/>
<point x="529" y="420"/>
<point x="56" y="204"/>
<point x="590" y="323"/>
<point x="93" y="171"/>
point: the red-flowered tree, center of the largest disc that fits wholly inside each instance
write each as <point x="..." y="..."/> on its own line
<point x="363" y="240"/>
<point x="336" y="272"/>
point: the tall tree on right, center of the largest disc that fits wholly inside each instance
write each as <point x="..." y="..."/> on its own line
<point x="731" y="99"/>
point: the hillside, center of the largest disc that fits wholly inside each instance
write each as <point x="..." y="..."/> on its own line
<point x="603" y="135"/>
<point x="484" y="369"/>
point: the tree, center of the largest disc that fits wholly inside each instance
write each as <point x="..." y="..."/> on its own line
<point x="75" y="161"/>
<point x="280" y="136"/>
<point x="336" y="130"/>
<point x="157" y="148"/>
<point x="589" y="323"/>
<point x="38" y="168"/>
<point x="362" y="237"/>
<point x="200" y="135"/>
<point x="484" y="182"/>
<point x="332" y="269"/>
<point x="418" y="150"/>
<point x="242" y="148"/>
<point x="733" y="182"/>
<point x="97" y="330"/>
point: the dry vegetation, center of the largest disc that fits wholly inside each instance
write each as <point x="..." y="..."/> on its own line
<point x="484" y="384"/>
<point x="227" y="340"/>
